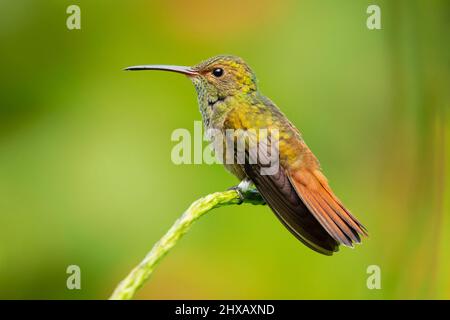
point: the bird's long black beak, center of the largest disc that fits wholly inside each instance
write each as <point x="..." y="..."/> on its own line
<point x="180" y="69"/>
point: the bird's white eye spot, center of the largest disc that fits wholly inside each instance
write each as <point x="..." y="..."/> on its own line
<point x="218" y="72"/>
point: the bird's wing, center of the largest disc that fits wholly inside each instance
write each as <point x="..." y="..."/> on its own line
<point x="280" y="195"/>
<point x="307" y="206"/>
<point x="304" y="203"/>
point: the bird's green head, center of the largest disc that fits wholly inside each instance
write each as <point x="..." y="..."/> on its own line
<point x="224" y="76"/>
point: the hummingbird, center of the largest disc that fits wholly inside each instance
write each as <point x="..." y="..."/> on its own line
<point x="297" y="192"/>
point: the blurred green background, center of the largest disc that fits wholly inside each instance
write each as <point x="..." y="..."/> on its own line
<point x="85" y="171"/>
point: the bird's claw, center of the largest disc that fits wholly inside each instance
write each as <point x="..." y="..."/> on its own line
<point x="239" y="192"/>
<point x="243" y="187"/>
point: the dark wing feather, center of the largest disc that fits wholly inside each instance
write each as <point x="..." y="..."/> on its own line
<point x="282" y="198"/>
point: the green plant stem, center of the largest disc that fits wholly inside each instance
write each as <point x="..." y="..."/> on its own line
<point x="139" y="275"/>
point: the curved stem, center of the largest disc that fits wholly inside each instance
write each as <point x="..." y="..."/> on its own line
<point x="139" y="275"/>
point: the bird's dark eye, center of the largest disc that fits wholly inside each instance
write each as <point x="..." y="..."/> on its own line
<point x="218" y="72"/>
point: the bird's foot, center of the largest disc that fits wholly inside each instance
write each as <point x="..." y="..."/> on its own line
<point x="246" y="191"/>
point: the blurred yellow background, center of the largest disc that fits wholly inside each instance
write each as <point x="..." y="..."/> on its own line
<point x="85" y="171"/>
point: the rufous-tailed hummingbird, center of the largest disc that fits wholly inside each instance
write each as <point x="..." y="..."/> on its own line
<point x="298" y="193"/>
